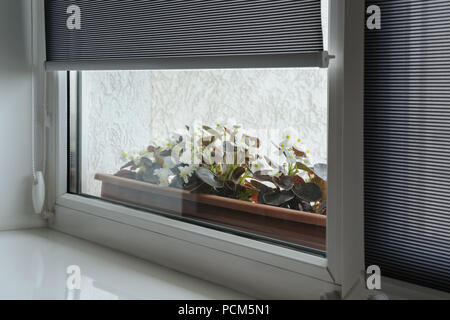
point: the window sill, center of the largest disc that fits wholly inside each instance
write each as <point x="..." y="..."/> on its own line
<point x="256" y="268"/>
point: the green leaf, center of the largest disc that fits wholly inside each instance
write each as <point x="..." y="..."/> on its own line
<point x="237" y="174"/>
<point x="298" y="153"/>
<point x="258" y="185"/>
<point x="146" y="162"/>
<point x="177" y="183"/>
<point x="284" y="182"/>
<point x="303" y="167"/>
<point x="278" y="198"/>
<point x="129" y="164"/>
<point x="273" y="164"/>
<point x="126" y="174"/>
<point x="230" y="185"/>
<point x="149" y="177"/>
<point x="262" y="177"/>
<point x="308" y="192"/>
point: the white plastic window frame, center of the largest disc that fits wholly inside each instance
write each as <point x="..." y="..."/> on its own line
<point x="259" y="269"/>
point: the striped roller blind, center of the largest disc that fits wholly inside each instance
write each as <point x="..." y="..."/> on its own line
<point x="184" y="34"/>
<point x="407" y="142"/>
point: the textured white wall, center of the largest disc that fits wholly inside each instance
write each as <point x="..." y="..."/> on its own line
<point x="258" y="99"/>
<point x="116" y="115"/>
<point x="15" y="117"/>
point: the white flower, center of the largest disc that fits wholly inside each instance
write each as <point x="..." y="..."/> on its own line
<point x="291" y="157"/>
<point x="298" y="144"/>
<point x="127" y="157"/>
<point x="124" y="156"/>
<point x="239" y="140"/>
<point x="157" y="142"/>
<point x="284" y="146"/>
<point x="193" y="138"/>
<point x="195" y="131"/>
<point x="187" y="157"/>
<point x="186" y="173"/>
<point x="169" y="144"/>
<point x="165" y="144"/>
<point x="258" y="165"/>
<point x="169" y="163"/>
<point x="191" y="156"/>
<point x="163" y="175"/>
<point x="220" y="125"/>
<point x="289" y="137"/>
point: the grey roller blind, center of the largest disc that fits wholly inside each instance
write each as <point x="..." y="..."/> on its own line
<point x="407" y="142"/>
<point x="184" y="34"/>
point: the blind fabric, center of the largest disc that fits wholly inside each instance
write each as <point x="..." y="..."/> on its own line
<point x="165" y="31"/>
<point x="407" y="142"/>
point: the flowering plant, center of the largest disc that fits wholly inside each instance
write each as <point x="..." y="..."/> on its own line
<point x="224" y="160"/>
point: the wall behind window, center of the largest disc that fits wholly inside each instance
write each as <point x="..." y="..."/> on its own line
<point x="116" y="115"/>
<point x="15" y="117"/>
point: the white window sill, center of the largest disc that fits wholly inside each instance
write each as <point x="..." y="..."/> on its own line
<point x="255" y="268"/>
<point x="44" y="255"/>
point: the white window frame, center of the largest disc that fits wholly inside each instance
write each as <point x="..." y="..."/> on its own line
<point x="259" y="269"/>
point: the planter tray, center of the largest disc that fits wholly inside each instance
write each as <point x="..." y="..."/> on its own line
<point x="217" y="201"/>
<point x="289" y="226"/>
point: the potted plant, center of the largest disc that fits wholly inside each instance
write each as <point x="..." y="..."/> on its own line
<point x="217" y="173"/>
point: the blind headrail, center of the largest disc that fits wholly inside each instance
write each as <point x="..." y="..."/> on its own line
<point x="298" y="60"/>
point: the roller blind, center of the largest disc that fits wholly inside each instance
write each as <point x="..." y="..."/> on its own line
<point x="407" y="142"/>
<point x="183" y="34"/>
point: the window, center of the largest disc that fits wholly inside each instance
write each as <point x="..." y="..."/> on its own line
<point x="120" y="223"/>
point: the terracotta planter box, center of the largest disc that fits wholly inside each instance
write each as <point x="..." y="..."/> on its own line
<point x="301" y="228"/>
